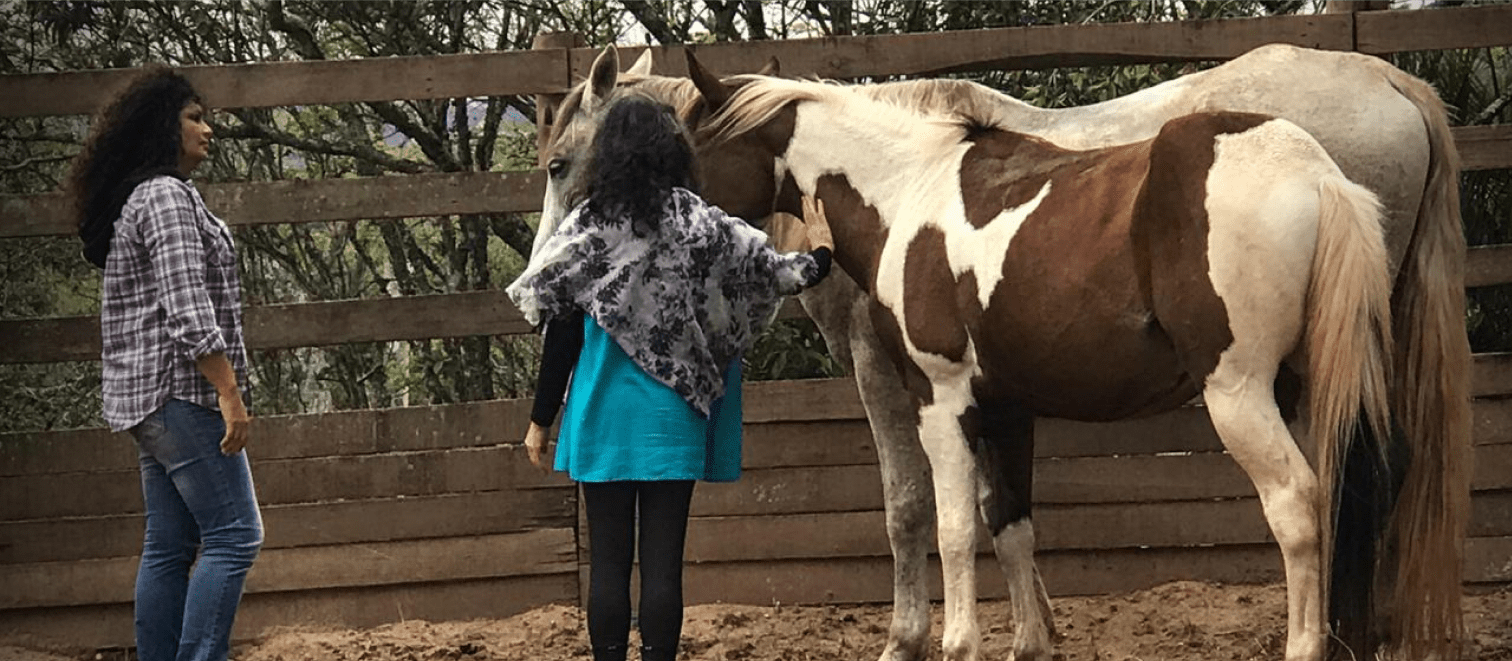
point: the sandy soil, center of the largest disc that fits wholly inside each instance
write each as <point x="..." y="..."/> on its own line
<point x="1174" y="622"/>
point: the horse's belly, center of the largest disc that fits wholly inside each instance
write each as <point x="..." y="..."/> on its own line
<point x="1084" y="367"/>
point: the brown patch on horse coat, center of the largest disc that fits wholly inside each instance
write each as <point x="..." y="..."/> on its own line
<point x="1004" y="170"/>
<point x="737" y="174"/>
<point x="859" y="242"/>
<point x="1072" y="334"/>
<point x="1170" y="236"/>
<point x="860" y="238"/>
<point x="890" y="336"/>
<point x="930" y="314"/>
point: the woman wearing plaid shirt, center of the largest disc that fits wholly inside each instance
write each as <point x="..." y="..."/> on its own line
<point x="174" y="367"/>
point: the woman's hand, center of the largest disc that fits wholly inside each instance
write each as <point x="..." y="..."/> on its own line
<point x="818" y="226"/>
<point x="217" y="370"/>
<point x="238" y="423"/>
<point x="535" y="441"/>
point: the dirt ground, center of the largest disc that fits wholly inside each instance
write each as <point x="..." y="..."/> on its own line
<point x="1174" y="622"/>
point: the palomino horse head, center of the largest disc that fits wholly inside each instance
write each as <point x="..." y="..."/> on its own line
<point x="738" y="181"/>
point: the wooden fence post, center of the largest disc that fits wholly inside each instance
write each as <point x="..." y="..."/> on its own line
<point x="1353" y="7"/>
<point x="546" y="104"/>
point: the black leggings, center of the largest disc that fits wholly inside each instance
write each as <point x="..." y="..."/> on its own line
<point x="612" y="516"/>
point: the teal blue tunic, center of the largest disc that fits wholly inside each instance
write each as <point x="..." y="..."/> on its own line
<point x="619" y="423"/>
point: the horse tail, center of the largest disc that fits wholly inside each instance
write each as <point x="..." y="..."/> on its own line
<point x="1348" y="352"/>
<point x="1432" y="400"/>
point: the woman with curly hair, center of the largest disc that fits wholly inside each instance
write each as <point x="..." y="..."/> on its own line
<point x="173" y="363"/>
<point x="650" y="296"/>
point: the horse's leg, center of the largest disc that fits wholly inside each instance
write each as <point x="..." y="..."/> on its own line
<point x="1244" y="412"/>
<point x="945" y="441"/>
<point x="1004" y="452"/>
<point x="840" y="310"/>
<point x="907" y="497"/>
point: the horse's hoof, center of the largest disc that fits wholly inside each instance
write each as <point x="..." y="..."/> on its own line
<point x="896" y="652"/>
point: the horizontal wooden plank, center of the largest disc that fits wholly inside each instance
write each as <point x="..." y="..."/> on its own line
<point x="537" y="552"/>
<point x="500" y="73"/>
<point x="1493" y="468"/>
<point x="439" y="194"/>
<point x="1036" y="47"/>
<point x="1484" y="147"/>
<point x="289" y="481"/>
<point x="1382" y="32"/>
<point x="844" y="441"/>
<point x="777" y="443"/>
<point x="1088" y="479"/>
<point x="792" y="491"/>
<point x="1492" y="423"/>
<point x="869" y="580"/>
<point x="294" y="325"/>
<point x="312" y="524"/>
<point x="1057" y="481"/>
<point x="1057" y="528"/>
<point x="1488" y="560"/>
<point x="1490" y="514"/>
<point x="1065" y="573"/>
<point x="110" y="625"/>
<point x="808" y="399"/>
<point x="316" y="200"/>
<point x="1491" y="375"/>
<point x="545" y="71"/>
<point x="807" y="443"/>
<point x="710" y="538"/>
<point x="1489" y="265"/>
<point x="346" y="433"/>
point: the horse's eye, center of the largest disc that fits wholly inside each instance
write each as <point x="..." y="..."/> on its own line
<point x="556" y="167"/>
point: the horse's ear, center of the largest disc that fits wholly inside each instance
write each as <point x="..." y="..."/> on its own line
<point x="642" y="66"/>
<point x="601" y="78"/>
<point x="772" y="68"/>
<point x="714" y="92"/>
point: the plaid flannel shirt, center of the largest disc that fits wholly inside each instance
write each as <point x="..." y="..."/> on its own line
<point x="170" y="295"/>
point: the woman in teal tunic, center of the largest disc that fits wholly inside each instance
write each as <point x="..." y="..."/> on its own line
<point x="649" y="297"/>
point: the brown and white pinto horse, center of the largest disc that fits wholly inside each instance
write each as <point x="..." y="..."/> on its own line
<point x="979" y="379"/>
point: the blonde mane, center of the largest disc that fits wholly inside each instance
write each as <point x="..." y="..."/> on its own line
<point x="959" y="104"/>
<point x="972" y="103"/>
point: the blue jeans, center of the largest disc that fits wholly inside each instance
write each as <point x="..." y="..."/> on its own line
<point x="199" y="503"/>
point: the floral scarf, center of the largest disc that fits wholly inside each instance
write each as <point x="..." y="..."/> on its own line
<point x="683" y="302"/>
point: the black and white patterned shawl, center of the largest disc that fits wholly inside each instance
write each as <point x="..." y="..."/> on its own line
<point x="683" y="302"/>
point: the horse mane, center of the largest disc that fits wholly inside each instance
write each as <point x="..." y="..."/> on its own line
<point x="757" y="100"/>
<point x="969" y="107"/>
<point x="972" y="103"/>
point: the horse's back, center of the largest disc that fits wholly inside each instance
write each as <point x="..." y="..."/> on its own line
<point x="1352" y="104"/>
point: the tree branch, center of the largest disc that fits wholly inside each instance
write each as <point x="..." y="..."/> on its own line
<point x="296" y="30"/>
<point x="1490" y="111"/>
<point x="431" y="145"/>
<point x="513" y="232"/>
<point x="252" y="129"/>
<point x="652" y="20"/>
<point x="35" y="160"/>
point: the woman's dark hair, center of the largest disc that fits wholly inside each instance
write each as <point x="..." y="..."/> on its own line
<point x="639" y="154"/>
<point x="135" y="138"/>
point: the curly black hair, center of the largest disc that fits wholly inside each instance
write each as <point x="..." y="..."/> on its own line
<point x="640" y="153"/>
<point x="135" y="138"/>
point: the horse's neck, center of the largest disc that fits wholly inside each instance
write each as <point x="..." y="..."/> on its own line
<point x="885" y="164"/>
<point x="884" y="153"/>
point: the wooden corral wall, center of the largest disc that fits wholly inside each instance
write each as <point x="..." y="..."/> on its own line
<point x="432" y="512"/>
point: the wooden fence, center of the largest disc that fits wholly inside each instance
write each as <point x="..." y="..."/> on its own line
<point x="432" y="512"/>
